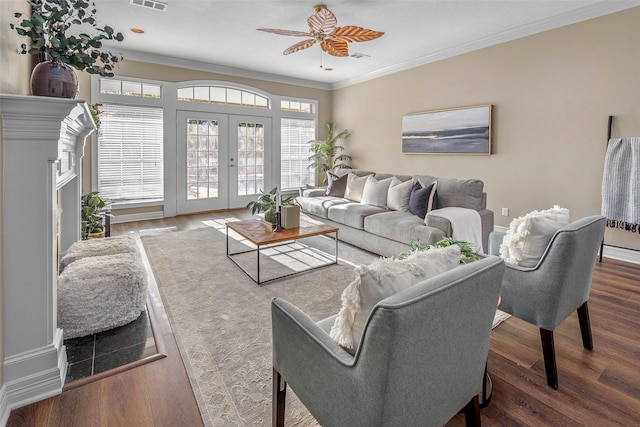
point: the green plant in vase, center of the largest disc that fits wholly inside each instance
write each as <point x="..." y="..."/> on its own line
<point x="268" y="203"/>
<point x="93" y="210"/>
<point x="64" y="34"/>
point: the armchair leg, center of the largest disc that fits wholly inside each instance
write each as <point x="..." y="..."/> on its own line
<point x="585" y="326"/>
<point x="549" y="353"/>
<point x="472" y="412"/>
<point x="279" y="399"/>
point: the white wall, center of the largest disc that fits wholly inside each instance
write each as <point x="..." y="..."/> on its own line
<point x="552" y="94"/>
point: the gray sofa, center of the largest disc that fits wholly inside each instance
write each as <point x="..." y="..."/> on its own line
<point x="389" y="232"/>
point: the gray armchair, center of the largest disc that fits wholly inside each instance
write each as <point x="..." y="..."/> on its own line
<point x="559" y="284"/>
<point x="421" y="359"/>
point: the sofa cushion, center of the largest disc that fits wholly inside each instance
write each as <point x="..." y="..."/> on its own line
<point x="355" y="187"/>
<point x="375" y="192"/>
<point x="398" y="194"/>
<point x="463" y="193"/>
<point x="421" y="198"/>
<point x="402" y="227"/>
<point x="352" y="214"/>
<point x="381" y="279"/>
<point x="528" y="236"/>
<point x="318" y="206"/>
<point x="336" y="185"/>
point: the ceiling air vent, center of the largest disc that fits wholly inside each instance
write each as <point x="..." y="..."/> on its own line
<point x="150" y="4"/>
<point x="359" y="55"/>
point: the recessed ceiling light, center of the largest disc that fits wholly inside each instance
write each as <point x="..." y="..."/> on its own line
<point x="137" y="30"/>
<point x="150" y="4"/>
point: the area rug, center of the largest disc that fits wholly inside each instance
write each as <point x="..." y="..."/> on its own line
<point x="222" y="320"/>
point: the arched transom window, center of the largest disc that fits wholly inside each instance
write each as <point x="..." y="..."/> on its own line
<point x="225" y="95"/>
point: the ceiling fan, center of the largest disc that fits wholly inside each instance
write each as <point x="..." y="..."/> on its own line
<point x="323" y="29"/>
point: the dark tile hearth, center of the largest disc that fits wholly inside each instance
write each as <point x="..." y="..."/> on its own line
<point x="101" y="352"/>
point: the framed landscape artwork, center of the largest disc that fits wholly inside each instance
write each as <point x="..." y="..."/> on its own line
<point x="465" y="130"/>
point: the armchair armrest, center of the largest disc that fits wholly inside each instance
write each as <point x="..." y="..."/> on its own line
<point x="297" y="336"/>
<point x="313" y="192"/>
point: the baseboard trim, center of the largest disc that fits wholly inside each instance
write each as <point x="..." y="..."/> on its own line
<point x="5" y="411"/>
<point x="137" y="217"/>
<point x="35" y="375"/>
<point x="621" y="254"/>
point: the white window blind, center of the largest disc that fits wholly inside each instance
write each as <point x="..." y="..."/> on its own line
<point x="130" y="153"/>
<point x="295" y="137"/>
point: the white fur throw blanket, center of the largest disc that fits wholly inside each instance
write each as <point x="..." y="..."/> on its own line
<point x="465" y="223"/>
<point x="621" y="184"/>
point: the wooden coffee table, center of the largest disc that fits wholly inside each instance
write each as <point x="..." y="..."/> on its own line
<point x="261" y="236"/>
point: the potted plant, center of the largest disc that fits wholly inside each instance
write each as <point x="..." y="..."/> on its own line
<point x="57" y="33"/>
<point x="467" y="252"/>
<point x="326" y="153"/>
<point x="268" y="203"/>
<point x="93" y="212"/>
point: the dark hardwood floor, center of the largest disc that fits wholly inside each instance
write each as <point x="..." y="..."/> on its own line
<point x="597" y="388"/>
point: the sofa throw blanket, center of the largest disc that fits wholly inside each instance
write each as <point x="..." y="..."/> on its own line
<point x="466" y="224"/>
<point x="621" y="184"/>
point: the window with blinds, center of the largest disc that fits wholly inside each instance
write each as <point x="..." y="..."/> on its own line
<point x="130" y="153"/>
<point x="295" y="137"/>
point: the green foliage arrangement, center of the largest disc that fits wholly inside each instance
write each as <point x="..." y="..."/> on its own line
<point x="48" y="29"/>
<point x="92" y="213"/>
<point x="467" y="253"/>
<point x="326" y="153"/>
<point x="267" y="203"/>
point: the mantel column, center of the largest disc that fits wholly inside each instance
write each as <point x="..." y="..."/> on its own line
<point x="42" y="146"/>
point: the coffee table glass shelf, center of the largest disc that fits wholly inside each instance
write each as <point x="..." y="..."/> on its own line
<point x="263" y="240"/>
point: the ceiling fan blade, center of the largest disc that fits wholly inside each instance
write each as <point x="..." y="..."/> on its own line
<point x="285" y="32"/>
<point x="299" y="46"/>
<point x="335" y="47"/>
<point x="323" y="20"/>
<point x="352" y="33"/>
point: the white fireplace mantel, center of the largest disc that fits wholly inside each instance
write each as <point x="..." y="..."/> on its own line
<point x="42" y="148"/>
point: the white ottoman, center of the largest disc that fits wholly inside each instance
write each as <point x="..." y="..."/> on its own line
<point x="97" y="247"/>
<point x="98" y="293"/>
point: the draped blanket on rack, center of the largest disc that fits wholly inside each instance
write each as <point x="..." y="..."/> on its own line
<point x="621" y="184"/>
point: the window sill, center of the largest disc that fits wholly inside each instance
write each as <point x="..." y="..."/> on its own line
<point x="132" y="204"/>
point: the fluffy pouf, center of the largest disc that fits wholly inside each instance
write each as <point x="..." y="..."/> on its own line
<point x="97" y="247"/>
<point x="101" y="292"/>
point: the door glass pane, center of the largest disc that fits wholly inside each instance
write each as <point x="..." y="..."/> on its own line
<point x="202" y="159"/>
<point x="250" y="155"/>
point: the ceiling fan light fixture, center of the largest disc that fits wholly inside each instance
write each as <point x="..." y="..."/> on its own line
<point x="324" y="30"/>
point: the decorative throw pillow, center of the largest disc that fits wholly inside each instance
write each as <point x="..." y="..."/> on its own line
<point x="375" y="192"/>
<point x="336" y="185"/>
<point x="355" y="187"/>
<point x="382" y="279"/>
<point x="421" y="198"/>
<point x="398" y="195"/>
<point x="528" y="235"/>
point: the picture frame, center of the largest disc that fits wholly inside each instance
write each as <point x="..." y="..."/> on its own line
<point x="462" y="130"/>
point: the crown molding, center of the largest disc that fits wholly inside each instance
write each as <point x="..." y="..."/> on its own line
<point x="219" y="69"/>
<point x="595" y="10"/>
<point x="588" y="12"/>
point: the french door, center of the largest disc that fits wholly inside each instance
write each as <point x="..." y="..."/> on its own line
<point x="223" y="160"/>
